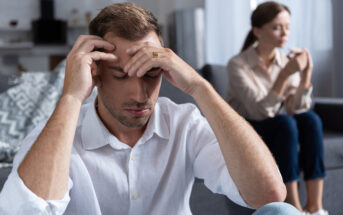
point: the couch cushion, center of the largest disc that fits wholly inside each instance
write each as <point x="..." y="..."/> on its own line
<point x="6" y="82"/>
<point x="204" y="202"/>
<point x="174" y="93"/>
<point x="330" y="111"/>
<point x="333" y="150"/>
<point x="4" y="172"/>
<point x="218" y="77"/>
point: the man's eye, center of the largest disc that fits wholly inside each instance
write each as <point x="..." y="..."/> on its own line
<point x="121" y="77"/>
<point x="153" y="73"/>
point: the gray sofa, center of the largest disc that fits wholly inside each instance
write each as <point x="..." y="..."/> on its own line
<point x="204" y="202"/>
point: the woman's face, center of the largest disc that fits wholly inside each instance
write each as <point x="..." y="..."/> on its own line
<point x="275" y="33"/>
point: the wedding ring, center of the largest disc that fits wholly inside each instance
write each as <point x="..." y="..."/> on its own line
<point x="154" y="54"/>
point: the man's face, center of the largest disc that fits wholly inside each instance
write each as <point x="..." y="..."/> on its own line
<point x="129" y="100"/>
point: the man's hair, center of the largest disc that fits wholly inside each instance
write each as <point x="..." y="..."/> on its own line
<point x="125" y="20"/>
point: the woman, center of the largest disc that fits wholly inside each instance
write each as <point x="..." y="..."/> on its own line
<point x="273" y="91"/>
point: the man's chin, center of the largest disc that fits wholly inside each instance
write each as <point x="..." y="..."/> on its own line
<point x="135" y="122"/>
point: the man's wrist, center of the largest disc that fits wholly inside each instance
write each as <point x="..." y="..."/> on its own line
<point x="202" y="86"/>
<point x="70" y="99"/>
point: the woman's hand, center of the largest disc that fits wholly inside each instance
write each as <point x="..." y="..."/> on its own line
<point x="147" y="56"/>
<point x="307" y="72"/>
<point x="298" y="61"/>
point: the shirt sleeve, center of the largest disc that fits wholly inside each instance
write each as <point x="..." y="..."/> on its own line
<point x="245" y="90"/>
<point x="208" y="161"/>
<point x="298" y="99"/>
<point x="16" y="198"/>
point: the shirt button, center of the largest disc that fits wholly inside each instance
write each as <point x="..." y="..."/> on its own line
<point x="132" y="157"/>
<point x="136" y="196"/>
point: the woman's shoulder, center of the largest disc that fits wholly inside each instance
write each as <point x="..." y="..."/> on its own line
<point x="238" y="61"/>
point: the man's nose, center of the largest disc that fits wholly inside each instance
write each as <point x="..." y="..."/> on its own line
<point x="139" y="89"/>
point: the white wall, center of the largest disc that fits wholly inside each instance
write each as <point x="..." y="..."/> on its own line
<point x="163" y="8"/>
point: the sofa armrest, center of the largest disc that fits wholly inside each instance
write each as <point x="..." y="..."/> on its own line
<point x="330" y="111"/>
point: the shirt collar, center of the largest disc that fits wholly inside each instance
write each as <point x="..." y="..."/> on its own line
<point x="254" y="59"/>
<point x="95" y="135"/>
<point x="157" y="123"/>
<point x="278" y="58"/>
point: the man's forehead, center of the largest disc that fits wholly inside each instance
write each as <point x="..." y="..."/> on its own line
<point x="122" y="43"/>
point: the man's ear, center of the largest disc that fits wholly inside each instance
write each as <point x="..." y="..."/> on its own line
<point x="256" y="31"/>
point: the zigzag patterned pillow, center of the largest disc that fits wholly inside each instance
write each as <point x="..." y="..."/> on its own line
<point x="26" y="105"/>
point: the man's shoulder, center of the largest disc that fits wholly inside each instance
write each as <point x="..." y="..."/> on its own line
<point x="177" y="113"/>
<point x="166" y="105"/>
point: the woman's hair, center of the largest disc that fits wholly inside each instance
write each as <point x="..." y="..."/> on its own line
<point x="125" y="20"/>
<point x="263" y="14"/>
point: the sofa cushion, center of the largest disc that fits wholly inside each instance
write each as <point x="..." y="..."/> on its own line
<point x="174" y="93"/>
<point x="333" y="150"/>
<point x="218" y="77"/>
<point x="4" y="172"/>
<point x="330" y="111"/>
<point x="6" y="81"/>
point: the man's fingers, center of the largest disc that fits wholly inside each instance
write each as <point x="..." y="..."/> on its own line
<point x="135" y="61"/>
<point x="96" y="55"/>
<point x="153" y="63"/>
<point x="90" y="45"/>
<point x="140" y="67"/>
<point x="146" y="67"/>
<point x="134" y="49"/>
<point x="82" y="38"/>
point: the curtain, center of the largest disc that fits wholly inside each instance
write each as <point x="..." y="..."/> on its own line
<point x="312" y="21"/>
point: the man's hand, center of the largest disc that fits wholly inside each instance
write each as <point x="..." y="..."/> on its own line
<point x="81" y="65"/>
<point x="147" y="56"/>
<point x="46" y="174"/>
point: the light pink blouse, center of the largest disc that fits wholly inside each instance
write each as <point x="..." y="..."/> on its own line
<point x="250" y="87"/>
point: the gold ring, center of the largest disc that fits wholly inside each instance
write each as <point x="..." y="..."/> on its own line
<point x="154" y="54"/>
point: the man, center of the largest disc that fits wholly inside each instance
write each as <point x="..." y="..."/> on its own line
<point x="130" y="152"/>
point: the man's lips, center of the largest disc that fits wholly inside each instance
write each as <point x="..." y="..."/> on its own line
<point x="138" y="111"/>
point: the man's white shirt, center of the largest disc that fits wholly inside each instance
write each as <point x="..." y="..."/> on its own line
<point x="109" y="177"/>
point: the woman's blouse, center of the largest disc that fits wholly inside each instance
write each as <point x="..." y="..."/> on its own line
<point x="250" y="87"/>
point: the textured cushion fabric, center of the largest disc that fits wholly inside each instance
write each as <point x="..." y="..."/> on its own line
<point x="23" y="106"/>
<point x="333" y="150"/>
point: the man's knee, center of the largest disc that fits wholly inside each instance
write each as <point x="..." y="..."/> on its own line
<point x="277" y="208"/>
